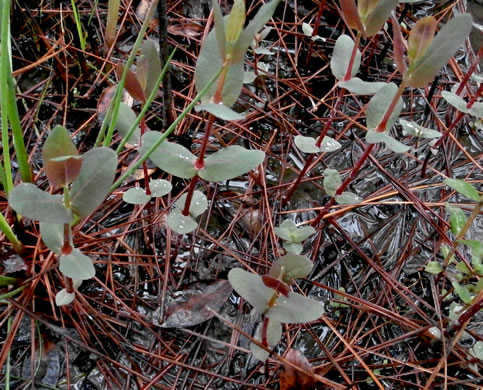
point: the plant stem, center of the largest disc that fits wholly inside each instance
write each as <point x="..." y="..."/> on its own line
<point x="314" y="32"/>
<point x="165" y="135"/>
<point x="145" y="166"/>
<point x="348" y="74"/>
<point x="163" y="54"/>
<point x="200" y="161"/>
<point x="311" y="157"/>
<point x="189" y="197"/>
<point x="264" y="332"/>
<point x="380" y="128"/>
<point x="460" y="235"/>
<point x="113" y="111"/>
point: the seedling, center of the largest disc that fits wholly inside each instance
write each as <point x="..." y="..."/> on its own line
<point x="459" y="225"/>
<point x="293" y="236"/>
<point x="223" y="49"/>
<point x="272" y="297"/>
<point x="85" y="182"/>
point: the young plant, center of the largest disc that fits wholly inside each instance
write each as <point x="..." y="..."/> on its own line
<point x="271" y="296"/>
<point x="224" y="49"/>
<point x="141" y="86"/>
<point x="293" y="235"/>
<point x="85" y="182"/>
<point x="426" y="56"/>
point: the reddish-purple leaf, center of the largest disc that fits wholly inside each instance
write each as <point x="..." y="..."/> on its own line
<point x="62" y="162"/>
<point x="351" y="16"/>
<point x="399" y="47"/>
<point x="421" y="37"/>
<point x="276" y="284"/>
<point x="193" y="305"/>
<point x="293" y="379"/>
<point x="131" y="84"/>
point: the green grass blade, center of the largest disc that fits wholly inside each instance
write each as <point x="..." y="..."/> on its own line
<point x="146" y="105"/>
<point x="165" y="135"/>
<point x="9" y="107"/>
<point x="7" y="230"/>
<point x="114" y="106"/>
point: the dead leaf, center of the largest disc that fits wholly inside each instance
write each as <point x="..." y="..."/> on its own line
<point x="191" y="308"/>
<point x="14" y="264"/>
<point x="131" y="84"/>
<point x="105" y="101"/>
<point x="189" y="30"/>
<point x="293" y="379"/>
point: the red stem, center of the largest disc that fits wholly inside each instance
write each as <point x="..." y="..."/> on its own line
<point x="314" y="32"/>
<point x="348" y="73"/>
<point x="189" y="197"/>
<point x="142" y="125"/>
<point x="459" y="117"/>
<point x="264" y="332"/>
<point x="311" y="157"/>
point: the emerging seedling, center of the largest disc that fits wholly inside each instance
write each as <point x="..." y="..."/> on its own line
<point x="293" y="236"/>
<point x="85" y="181"/>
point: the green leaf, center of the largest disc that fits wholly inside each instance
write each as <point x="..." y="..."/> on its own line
<point x="477" y="109"/>
<point x="292" y="247"/>
<point x="59" y="144"/>
<point x="160" y="187"/>
<point x="329" y="144"/>
<point x="348" y="198"/>
<point x="274" y="334"/>
<point x="235" y="22"/>
<point x="341" y="58"/>
<point x="198" y="205"/>
<point x="53" y="235"/>
<point x="286" y="229"/>
<point x="31" y="202"/>
<point x="219" y="28"/>
<point x="77" y="265"/>
<point x="456" y="101"/>
<point x="433" y="267"/>
<point x="125" y="118"/>
<point x="63" y="298"/>
<point x="462" y="292"/>
<point x="136" y="195"/>
<point x="220" y="111"/>
<point x="256" y="24"/>
<point x="442" y="48"/>
<point x="420" y="37"/>
<point x="251" y="288"/>
<point x="181" y="224"/>
<point x="296" y="309"/>
<point x="360" y="87"/>
<point x="230" y="162"/>
<point x="95" y="178"/>
<point x="169" y="157"/>
<point x="379" y="104"/>
<point x="477" y="350"/>
<point x="249" y="77"/>
<point x="7" y="280"/>
<point x="445" y="252"/>
<point x="150" y="55"/>
<point x="457" y="218"/>
<point x="290" y="267"/>
<point x="463" y="268"/>
<point x="463" y="188"/>
<point x="378" y="16"/>
<point x="374" y="137"/>
<point x="332" y="181"/>
<point x="209" y="63"/>
<point x="476" y="249"/>
<point x="306" y="144"/>
<point x="419" y="131"/>
<point x="302" y="233"/>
